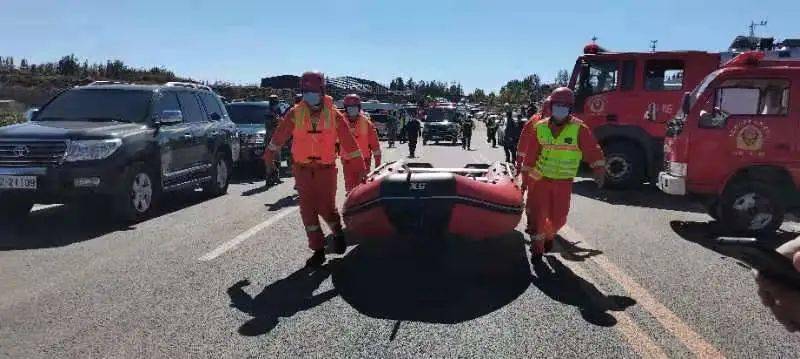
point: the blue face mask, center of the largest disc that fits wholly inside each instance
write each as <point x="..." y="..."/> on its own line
<point x="353" y="111"/>
<point x="312" y="98"/>
<point x="560" y="112"/>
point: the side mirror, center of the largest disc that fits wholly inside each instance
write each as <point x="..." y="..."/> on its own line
<point x="169" y="117"/>
<point x="215" y="117"/>
<point x="31" y="114"/>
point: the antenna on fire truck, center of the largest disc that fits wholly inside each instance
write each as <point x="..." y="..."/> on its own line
<point x="753" y="25"/>
<point x="653" y="45"/>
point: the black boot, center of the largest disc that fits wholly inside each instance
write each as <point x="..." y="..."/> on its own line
<point x="339" y="244"/>
<point x="317" y="259"/>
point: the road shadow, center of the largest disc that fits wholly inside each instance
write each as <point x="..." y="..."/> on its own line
<point x="644" y="196"/>
<point x="703" y="233"/>
<point x="451" y="281"/>
<point x="288" y="201"/>
<point x="571" y="251"/>
<point x="252" y="173"/>
<point x="281" y="299"/>
<point x="561" y="284"/>
<point x="60" y="226"/>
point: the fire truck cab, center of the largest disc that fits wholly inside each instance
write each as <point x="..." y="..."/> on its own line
<point x="734" y="143"/>
<point x="626" y="98"/>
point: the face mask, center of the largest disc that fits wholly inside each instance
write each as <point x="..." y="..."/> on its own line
<point x="353" y="111"/>
<point x="560" y="112"/>
<point x="312" y="98"/>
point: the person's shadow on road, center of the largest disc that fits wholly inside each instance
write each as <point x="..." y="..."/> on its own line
<point x="288" y="201"/>
<point x="281" y="299"/>
<point x="561" y="284"/>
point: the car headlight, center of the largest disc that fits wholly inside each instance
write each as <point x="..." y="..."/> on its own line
<point x="87" y="150"/>
<point x="256" y="139"/>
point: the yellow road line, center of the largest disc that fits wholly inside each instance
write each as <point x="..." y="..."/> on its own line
<point x="641" y="343"/>
<point x="671" y="322"/>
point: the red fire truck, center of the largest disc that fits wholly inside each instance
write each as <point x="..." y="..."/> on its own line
<point x="627" y="98"/>
<point x="734" y="143"/>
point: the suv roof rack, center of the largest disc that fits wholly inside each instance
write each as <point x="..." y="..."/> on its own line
<point x="188" y="85"/>
<point x="107" y="82"/>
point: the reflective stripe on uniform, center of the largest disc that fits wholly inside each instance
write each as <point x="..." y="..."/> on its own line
<point x="354" y="154"/>
<point x="599" y="163"/>
<point x="376" y="152"/>
<point x="561" y="147"/>
<point x="521" y="154"/>
<point x="534" y="173"/>
<point x="313" y="228"/>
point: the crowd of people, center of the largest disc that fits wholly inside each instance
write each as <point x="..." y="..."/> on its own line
<point x="547" y="149"/>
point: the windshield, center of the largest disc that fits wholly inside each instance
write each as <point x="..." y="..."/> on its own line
<point x="601" y="76"/>
<point x="247" y="115"/>
<point x="98" y="105"/>
<point x="440" y="115"/>
<point x="699" y="89"/>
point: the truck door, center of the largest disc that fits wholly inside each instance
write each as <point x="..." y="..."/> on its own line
<point x="748" y="124"/>
<point x="595" y="89"/>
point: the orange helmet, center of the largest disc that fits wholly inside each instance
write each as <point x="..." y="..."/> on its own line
<point x="352" y="100"/>
<point x="312" y="81"/>
<point x="562" y="96"/>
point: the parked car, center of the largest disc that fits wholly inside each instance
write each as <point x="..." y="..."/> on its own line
<point x="380" y="120"/>
<point x="441" y="124"/>
<point x="124" y="144"/>
<point x="250" y="119"/>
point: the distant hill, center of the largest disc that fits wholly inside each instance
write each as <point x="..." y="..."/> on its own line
<point x="33" y="84"/>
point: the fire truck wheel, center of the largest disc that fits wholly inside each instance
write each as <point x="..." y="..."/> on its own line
<point x="624" y="165"/>
<point x="751" y="207"/>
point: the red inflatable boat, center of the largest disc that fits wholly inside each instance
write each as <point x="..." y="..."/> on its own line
<point x="478" y="201"/>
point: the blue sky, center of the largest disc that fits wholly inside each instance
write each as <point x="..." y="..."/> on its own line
<point x="479" y="43"/>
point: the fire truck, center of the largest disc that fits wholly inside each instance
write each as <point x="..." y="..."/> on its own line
<point x="733" y="143"/>
<point x="628" y="97"/>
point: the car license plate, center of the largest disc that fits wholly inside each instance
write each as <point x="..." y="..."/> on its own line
<point x="17" y="182"/>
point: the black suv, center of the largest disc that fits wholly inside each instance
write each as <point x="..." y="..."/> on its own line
<point x="119" y="142"/>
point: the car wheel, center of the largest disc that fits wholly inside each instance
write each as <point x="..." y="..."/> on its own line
<point x="751" y="207"/>
<point x="139" y="193"/>
<point x="14" y="208"/>
<point x="624" y="165"/>
<point x="220" y="177"/>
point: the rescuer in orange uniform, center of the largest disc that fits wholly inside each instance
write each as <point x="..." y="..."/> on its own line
<point x="554" y="153"/>
<point x="528" y="132"/>
<point x="315" y="125"/>
<point x="366" y="137"/>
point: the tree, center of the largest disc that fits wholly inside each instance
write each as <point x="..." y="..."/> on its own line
<point x="477" y="96"/>
<point x="562" y="78"/>
<point x="23" y="65"/>
<point x="68" y="65"/>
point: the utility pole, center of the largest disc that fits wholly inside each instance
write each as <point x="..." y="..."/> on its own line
<point x="753" y="25"/>
<point x="653" y="45"/>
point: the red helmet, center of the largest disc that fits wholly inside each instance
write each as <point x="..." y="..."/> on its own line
<point x="352" y="100"/>
<point x="312" y="81"/>
<point x="562" y="96"/>
<point x="546" y="107"/>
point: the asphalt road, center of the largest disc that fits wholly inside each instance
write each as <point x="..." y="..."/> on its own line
<point x="224" y="278"/>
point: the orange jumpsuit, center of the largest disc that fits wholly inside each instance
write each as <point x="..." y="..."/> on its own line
<point x="367" y="139"/>
<point x="316" y="181"/>
<point x="528" y="131"/>
<point x="548" y="200"/>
